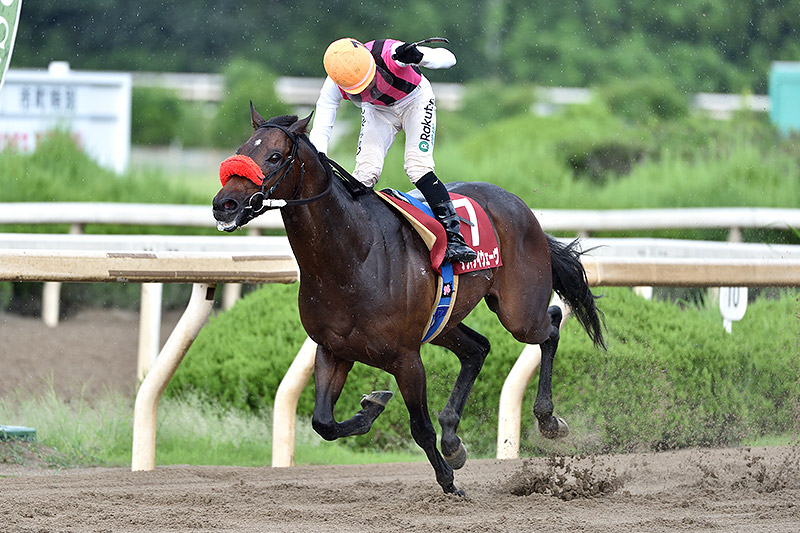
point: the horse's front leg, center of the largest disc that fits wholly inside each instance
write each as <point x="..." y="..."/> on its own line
<point x="471" y="348"/>
<point x="549" y="426"/>
<point x="412" y="384"/>
<point x="330" y="374"/>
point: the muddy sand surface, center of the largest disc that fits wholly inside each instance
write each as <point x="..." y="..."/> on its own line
<point x="742" y="490"/>
<point x="720" y="490"/>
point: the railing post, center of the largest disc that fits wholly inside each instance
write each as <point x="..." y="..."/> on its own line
<point x="510" y="413"/>
<point x="149" y="327"/>
<point x="284" y="415"/>
<point x="143" y="454"/>
<point x="51" y="303"/>
<point x="509" y="422"/>
<point x="51" y="292"/>
<point x="231" y="293"/>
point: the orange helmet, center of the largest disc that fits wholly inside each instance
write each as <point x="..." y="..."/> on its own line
<point x="349" y="64"/>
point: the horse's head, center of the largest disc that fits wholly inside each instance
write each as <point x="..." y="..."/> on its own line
<point x="264" y="173"/>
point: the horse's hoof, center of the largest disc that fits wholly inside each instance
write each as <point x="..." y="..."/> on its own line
<point x="451" y="489"/>
<point x="557" y="428"/>
<point x="458" y="458"/>
<point x="380" y="397"/>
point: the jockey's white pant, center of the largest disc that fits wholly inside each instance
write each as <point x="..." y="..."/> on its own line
<point x="416" y="116"/>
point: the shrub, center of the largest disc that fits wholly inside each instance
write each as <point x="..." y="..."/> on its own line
<point x="245" y="81"/>
<point x="155" y="115"/>
<point x="645" y="98"/>
<point x="494" y="100"/>
<point x="671" y="377"/>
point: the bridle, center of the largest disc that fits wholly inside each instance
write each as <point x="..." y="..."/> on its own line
<point x="261" y="201"/>
<point x="263" y="197"/>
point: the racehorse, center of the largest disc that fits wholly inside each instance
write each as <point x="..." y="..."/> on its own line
<point x="367" y="286"/>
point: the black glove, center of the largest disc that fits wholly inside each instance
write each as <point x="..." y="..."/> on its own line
<point x="407" y="53"/>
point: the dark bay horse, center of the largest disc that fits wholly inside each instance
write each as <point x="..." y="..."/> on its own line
<point x="367" y="287"/>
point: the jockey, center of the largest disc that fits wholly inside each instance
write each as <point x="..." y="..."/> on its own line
<point x="383" y="78"/>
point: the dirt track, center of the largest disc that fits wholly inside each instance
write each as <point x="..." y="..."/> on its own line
<point x="743" y="490"/>
<point x="697" y="490"/>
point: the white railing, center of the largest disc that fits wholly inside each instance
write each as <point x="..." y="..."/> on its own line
<point x="80" y="214"/>
<point x="643" y="261"/>
<point x="583" y="222"/>
<point x="746" y="265"/>
<point x="303" y="92"/>
<point x="734" y="219"/>
<point x="151" y="293"/>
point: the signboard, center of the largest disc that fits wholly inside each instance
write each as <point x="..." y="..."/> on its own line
<point x="95" y="107"/>
<point x="9" y="19"/>
<point x="732" y="304"/>
<point x="784" y="95"/>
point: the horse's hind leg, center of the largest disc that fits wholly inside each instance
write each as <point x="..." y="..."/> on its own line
<point x="471" y="349"/>
<point x="330" y="374"/>
<point x="549" y="425"/>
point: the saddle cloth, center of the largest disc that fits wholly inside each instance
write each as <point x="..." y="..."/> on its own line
<point x="477" y="232"/>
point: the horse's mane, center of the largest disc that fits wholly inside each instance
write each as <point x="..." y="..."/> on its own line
<point x="283" y="120"/>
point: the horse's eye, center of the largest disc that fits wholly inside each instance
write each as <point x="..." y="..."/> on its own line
<point x="274" y="158"/>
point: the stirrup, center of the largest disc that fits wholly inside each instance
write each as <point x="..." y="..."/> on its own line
<point x="459" y="252"/>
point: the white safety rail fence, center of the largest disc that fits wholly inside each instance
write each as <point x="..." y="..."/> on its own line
<point x="303" y="93"/>
<point x="649" y="262"/>
<point x="80" y="214"/>
<point x="122" y="259"/>
<point x="734" y="219"/>
<point x="584" y="222"/>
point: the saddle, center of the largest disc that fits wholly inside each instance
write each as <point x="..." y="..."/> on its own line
<point x="477" y="232"/>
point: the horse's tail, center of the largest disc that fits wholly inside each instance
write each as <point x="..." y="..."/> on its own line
<point x="569" y="282"/>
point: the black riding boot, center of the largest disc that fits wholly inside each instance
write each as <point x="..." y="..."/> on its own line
<point x="436" y="195"/>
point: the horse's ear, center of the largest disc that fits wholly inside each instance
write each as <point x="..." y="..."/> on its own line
<point x="257" y="119"/>
<point x="301" y="125"/>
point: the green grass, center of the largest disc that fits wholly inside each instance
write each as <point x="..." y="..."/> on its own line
<point x="99" y="432"/>
<point x="58" y="171"/>
<point x="75" y="432"/>
<point x="772" y="440"/>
